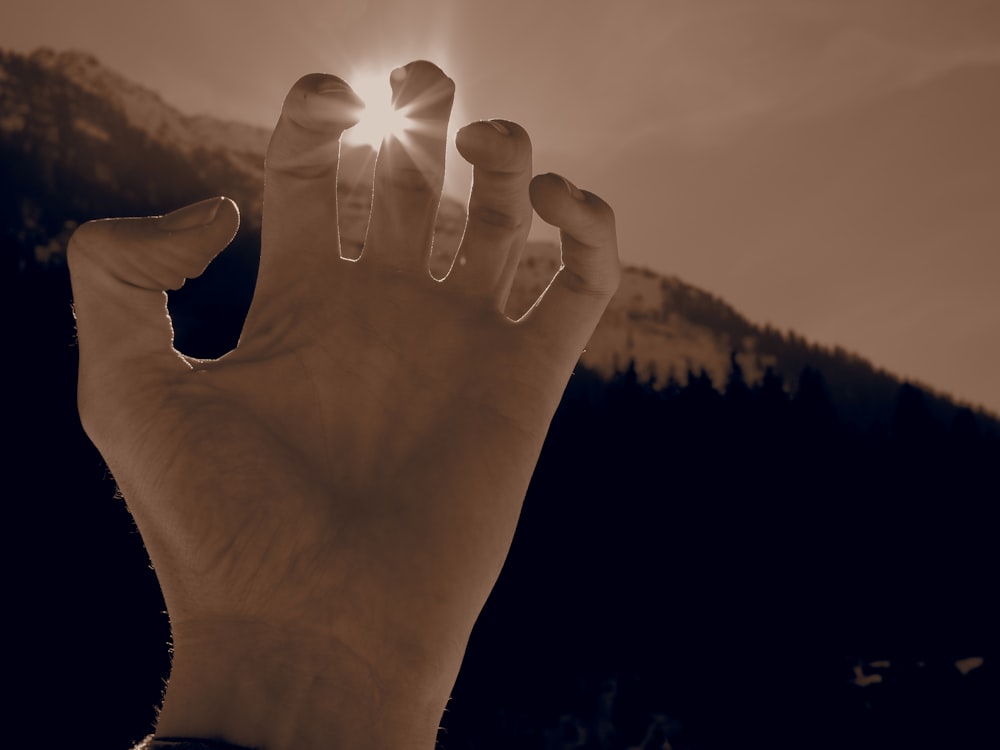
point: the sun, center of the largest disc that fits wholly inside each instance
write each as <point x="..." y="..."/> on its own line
<point x="379" y="118"/>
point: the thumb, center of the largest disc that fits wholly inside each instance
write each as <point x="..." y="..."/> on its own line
<point x="120" y="270"/>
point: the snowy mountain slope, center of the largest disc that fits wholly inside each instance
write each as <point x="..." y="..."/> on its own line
<point x="146" y="111"/>
<point x="644" y="324"/>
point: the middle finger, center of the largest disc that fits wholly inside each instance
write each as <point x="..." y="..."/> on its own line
<point x="409" y="173"/>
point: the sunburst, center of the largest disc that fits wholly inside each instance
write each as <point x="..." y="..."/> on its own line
<point x="380" y="119"/>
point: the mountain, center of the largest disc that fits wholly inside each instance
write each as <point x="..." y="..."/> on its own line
<point x="144" y="110"/>
<point x="79" y="141"/>
<point x="871" y="224"/>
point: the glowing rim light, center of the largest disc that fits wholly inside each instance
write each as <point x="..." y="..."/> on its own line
<point x="379" y="118"/>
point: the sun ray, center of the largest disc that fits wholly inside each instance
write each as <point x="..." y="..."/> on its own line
<point x="379" y="118"/>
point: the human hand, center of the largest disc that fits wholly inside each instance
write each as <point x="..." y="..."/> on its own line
<point x="328" y="505"/>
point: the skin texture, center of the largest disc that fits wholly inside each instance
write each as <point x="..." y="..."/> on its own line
<point x="328" y="506"/>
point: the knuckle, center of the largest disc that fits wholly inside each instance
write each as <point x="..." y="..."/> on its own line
<point x="83" y="237"/>
<point x="501" y="218"/>
<point x="88" y="245"/>
<point x="301" y="169"/>
<point x="301" y="153"/>
<point x="593" y="272"/>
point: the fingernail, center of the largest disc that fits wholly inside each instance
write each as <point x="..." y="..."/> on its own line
<point x="340" y="101"/>
<point x="331" y="85"/>
<point x="573" y="190"/>
<point x="189" y="217"/>
<point x="500" y="127"/>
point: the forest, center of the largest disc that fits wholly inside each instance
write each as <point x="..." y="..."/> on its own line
<point x="698" y="565"/>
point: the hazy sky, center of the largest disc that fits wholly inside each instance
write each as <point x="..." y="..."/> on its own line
<point x="831" y="166"/>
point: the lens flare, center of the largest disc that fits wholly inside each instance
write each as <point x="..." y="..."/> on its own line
<point x="379" y="118"/>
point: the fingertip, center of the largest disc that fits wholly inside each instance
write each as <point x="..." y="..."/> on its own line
<point x="322" y="102"/>
<point x="495" y="145"/>
<point x="194" y="247"/>
<point x="423" y="88"/>
<point x="416" y="72"/>
<point x="191" y="216"/>
<point x="579" y="213"/>
<point x="306" y="141"/>
<point x="83" y="240"/>
<point x="217" y="218"/>
<point x="587" y="230"/>
<point x="228" y="217"/>
<point x="548" y="193"/>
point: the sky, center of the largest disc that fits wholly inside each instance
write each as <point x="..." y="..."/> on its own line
<point x="827" y="166"/>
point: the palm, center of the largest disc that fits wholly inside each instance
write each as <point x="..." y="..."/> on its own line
<point x="422" y="443"/>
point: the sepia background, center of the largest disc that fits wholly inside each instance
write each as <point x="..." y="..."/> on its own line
<point x="784" y="534"/>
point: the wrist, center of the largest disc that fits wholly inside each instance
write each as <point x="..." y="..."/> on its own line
<point x="269" y="688"/>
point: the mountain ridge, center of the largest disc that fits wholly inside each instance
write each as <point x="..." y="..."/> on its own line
<point x="69" y="122"/>
<point x="147" y="110"/>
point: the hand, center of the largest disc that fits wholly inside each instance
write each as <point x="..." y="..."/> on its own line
<point x="328" y="506"/>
